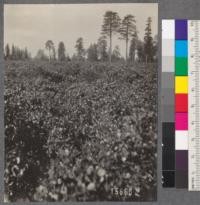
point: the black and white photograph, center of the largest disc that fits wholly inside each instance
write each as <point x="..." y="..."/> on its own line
<point x="80" y="99"/>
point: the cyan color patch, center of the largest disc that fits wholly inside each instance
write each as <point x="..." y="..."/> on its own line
<point x="181" y="48"/>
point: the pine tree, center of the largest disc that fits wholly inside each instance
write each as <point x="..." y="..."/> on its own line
<point x="19" y="53"/>
<point x="140" y="49"/>
<point x="133" y="47"/>
<point x="148" y="42"/>
<point x="61" y="51"/>
<point x="7" y="52"/>
<point x="110" y="26"/>
<point x="49" y="45"/>
<point x="13" y="53"/>
<point x="54" y="53"/>
<point x="92" y="52"/>
<point x="155" y="47"/>
<point x="127" y="29"/>
<point x="116" y="53"/>
<point x="26" y="55"/>
<point x="102" y="48"/>
<point x="80" y="48"/>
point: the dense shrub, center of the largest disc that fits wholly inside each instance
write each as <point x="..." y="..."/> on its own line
<point x="74" y="131"/>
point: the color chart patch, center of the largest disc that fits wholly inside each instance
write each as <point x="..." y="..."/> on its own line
<point x="180" y="93"/>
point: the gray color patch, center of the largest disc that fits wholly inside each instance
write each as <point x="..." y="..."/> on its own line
<point x="168" y="96"/>
<point x="168" y="64"/>
<point x="168" y="113"/>
<point x="168" y="80"/>
<point x="168" y="47"/>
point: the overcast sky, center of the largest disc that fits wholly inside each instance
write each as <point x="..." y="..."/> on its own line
<point x="32" y="25"/>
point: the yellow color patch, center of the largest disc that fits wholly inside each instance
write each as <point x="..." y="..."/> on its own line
<point x="181" y="84"/>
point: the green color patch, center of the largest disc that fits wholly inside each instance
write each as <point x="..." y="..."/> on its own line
<point x="181" y="66"/>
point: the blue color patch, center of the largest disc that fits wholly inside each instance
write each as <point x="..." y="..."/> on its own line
<point x="181" y="49"/>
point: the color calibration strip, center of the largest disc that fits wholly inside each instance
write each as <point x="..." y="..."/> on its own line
<point x="181" y="103"/>
<point x="167" y="101"/>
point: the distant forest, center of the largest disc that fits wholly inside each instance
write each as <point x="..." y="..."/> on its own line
<point x="136" y="50"/>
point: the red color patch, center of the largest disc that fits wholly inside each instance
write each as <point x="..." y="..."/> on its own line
<point x="181" y="103"/>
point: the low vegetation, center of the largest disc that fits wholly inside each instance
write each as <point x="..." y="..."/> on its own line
<point x="75" y="130"/>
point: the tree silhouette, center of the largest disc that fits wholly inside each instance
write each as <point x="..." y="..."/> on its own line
<point x="79" y="48"/>
<point x="26" y="55"/>
<point x="54" y="53"/>
<point x="102" y="48"/>
<point x="13" y="53"/>
<point x="92" y="52"/>
<point x="41" y="55"/>
<point x="116" y="53"/>
<point x="16" y="53"/>
<point x="7" y="51"/>
<point x="148" y="42"/>
<point x="140" y="51"/>
<point x="155" y="44"/>
<point x="133" y="47"/>
<point x="127" y="29"/>
<point x="50" y="47"/>
<point x="110" y="26"/>
<point x="61" y="51"/>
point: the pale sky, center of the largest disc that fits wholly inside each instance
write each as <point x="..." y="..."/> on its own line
<point x="31" y="25"/>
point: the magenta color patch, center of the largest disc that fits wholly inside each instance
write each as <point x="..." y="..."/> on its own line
<point x="181" y="121"/>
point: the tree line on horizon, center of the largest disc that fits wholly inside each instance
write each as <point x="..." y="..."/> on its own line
<point x="144" y="51"/>
<point x="16" y="53"/>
